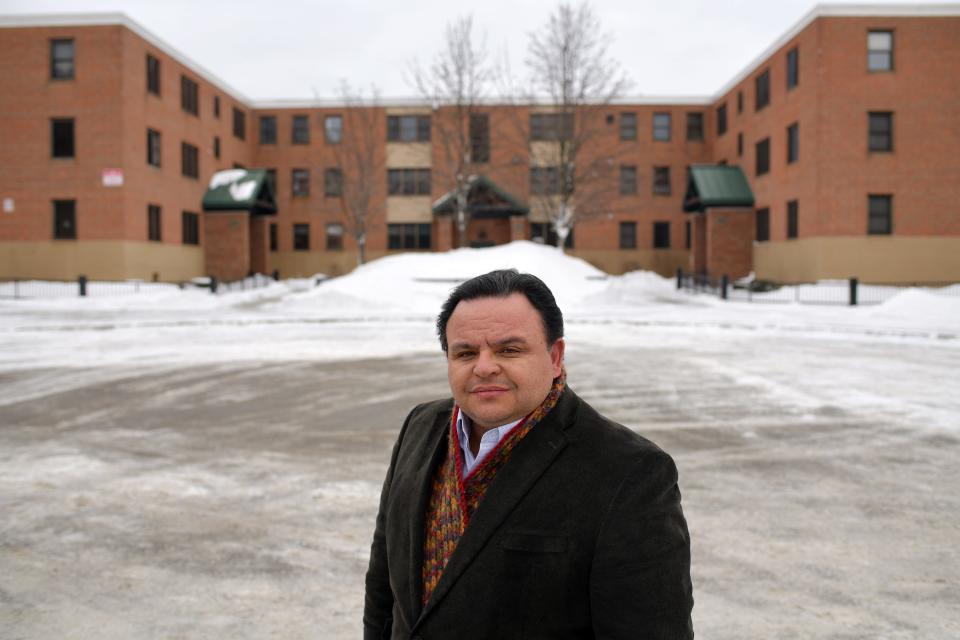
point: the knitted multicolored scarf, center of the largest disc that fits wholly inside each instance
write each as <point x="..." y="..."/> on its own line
<point x="454" y="498"/>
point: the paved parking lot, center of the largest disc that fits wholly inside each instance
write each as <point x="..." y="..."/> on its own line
<point x="237" y="500"/>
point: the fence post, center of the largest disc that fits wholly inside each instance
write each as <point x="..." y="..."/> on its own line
<point x="82" y="282"/>
<point x="853" y="292"/>
<point x="16" y="289"/>
<point x="679" y="278"/>
<point x="276" y="275"/>
<point x="724" y="283"/>
<point x="213" y="284"/>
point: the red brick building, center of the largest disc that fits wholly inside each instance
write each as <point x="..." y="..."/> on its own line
<point x="845" y="130"/>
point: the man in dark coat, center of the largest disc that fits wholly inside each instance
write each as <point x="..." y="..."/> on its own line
<point x="514" y="509"/>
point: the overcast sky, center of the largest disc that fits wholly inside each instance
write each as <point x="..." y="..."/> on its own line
<point x="303" y="48"/>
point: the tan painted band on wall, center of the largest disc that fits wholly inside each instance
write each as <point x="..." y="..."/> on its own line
<point x="878" y="259"/>
<point x="100" y="260"/>
<point x="409" y="155"/>
<point x="304" y="264"/>
<point x="409" y="209"/>
<point x="662" y="261"/>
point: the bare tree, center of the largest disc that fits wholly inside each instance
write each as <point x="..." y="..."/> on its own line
<point x="573" y="76"/>
<point x="359" y="164"/>
<point x="455" y="84"/>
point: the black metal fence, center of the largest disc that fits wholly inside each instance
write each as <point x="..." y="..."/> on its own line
<point x="82" y="287"/>
<point x="835" y="292"/>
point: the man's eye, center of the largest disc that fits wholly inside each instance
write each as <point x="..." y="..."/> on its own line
<point x="510" y="350"/>
<point x="463" y="355"/>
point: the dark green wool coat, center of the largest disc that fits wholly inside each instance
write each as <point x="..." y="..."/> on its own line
<point x="580" y="535"/>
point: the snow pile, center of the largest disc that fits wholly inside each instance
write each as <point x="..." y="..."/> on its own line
<point x="419" y="283"/>
<point x="918" y="307"/>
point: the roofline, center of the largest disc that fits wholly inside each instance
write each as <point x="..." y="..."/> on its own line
<point x="121" y="19"/>
<point x="819" y="11"/>
<point x="838" y="11"/>
<point x="387" y="103"/>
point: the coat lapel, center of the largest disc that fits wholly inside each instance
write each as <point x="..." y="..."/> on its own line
<point x="410" y="505"/>
<point x="531" y="458"/>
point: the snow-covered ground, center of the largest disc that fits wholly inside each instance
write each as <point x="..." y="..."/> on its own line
<point x="179" y="464"/>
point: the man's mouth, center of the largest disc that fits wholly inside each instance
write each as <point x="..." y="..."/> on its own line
<point x="488" y="390"/>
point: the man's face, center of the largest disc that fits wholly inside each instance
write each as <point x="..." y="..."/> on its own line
<point x="498" y="362"/>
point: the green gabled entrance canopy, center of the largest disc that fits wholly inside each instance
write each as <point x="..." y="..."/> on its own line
<point x="711" y="185"/>
<point x="240" y="190"/>
<point x="485" y="199"/>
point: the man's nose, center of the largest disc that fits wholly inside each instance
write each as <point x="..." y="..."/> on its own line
<point x="486" y="365"/>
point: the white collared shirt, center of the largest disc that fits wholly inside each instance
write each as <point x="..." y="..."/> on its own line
<point x="488" y="441"/>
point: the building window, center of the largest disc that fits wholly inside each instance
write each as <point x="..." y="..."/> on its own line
<point x="301" y="237"/>
<point x="545" y="181"/>
<point x="273" y="236"/>
<point x="793" y="68"/>
<point x="408" y="128"/>
<point x="551" y="126"/>
<point x="239" y="124"/>
<point x="153" y="222"/>
<point x="721" y="119"/>
<point x="408" y="236"/>
<point x="763" y="90"/>
<point x="189" y="95"/>
<point x="216" y="147"/>
<point x="153" y="147"/>
<point x="880" y="50"/>
<point x="268" y="129"/>
<point x="332" y="183"/>
<point x="480" y="137"/>
<point x="793" y="143"/>
<point x="544" y="233"/>
<point x="695" y="126"/>
<point x="739" y="101"/>
<point x="300" y="182"/>
<point x="64" y="219"/>
<point x="740" y="145"/>
<point x="763" y="156"/>
<point x="628" y="180"/>
<point x="628" y="235"/>
<point x="190" y="226"/>
<point x="661" y="235"/>
<point x="661" y="181"/>
<point x="763" y="225"/>
<point x="153" y="75"/>
<point x="216" y="107"/>
<point x="687" y="235"/>
<point x="333" y="129"/>
<point x="61" y="59"/>
<point x="628" y="126"/>
<point x="880" y="215"/>
<point x="661" y="126"/>
<point x="272" y="180"/>
<point x="880" y="131"/>
<point x="61" y="138"/>
<point x="334" y="237"/>
<point x="408" y="182"/>
<point x="189" y="160"/>
<point x="793" y="223"/>
<point x="300" y="134"/>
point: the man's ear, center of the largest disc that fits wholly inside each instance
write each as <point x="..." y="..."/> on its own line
<point x="556" y="356"/>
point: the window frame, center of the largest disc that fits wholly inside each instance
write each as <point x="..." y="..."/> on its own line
<point x="239" y="124"/>
<point x="189" y="95"/>
<point x="793" y="219"/>
<point x="409" y="181"/>
<point x="662" y="180"/>
<point x="267" y="130"/>
<point x="190" y="228"/>
<point x="334" y="236"/>
<point x="406" y="236"/>
<point x="628" y="125"/>
<point x="880" y="140"/>
<point x="301" y="236"/>
<point x="761" y="225"/>
<point x="722" y="119"/>
<point x="762" y="90"/>
<point x="154" y="148"/>
<point x="661" y="132"/>
<point x="661" y="234"/>
<point x="299" y="182"/>
<point x="884" y="216"/>
<point x="888" y="53"/>
<point x="793" y="143"/>
<point x="300" y="129"/>
<point x="153" y="75"/>
<point x="60" y="146"/>
<point x="479" y="135"/>
<point x="273" y="236"/>
<point x="189" y="161"/>
<point x="63" y="67"/>
<point x="65" y="219"/>
<point x="793" y="68"/>
<point x="399" y="128"/>
<point x="695" y="126"/>
<point x="629" y="182"/>
<point x="762" y="160"/>
<point x="332" y="182"/>
<point x="552" y="127"/>
<point x="328" y="129"/>
<point x="154" y="223"/>
<point x="628" y="234"/>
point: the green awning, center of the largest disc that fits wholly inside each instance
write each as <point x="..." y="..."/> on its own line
<point x="713" y="185"/>
<point x="485" y="199"/>
<point x="240" y="190"/>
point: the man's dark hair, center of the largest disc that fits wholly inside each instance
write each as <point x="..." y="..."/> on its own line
<point x="501" y="284"/>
